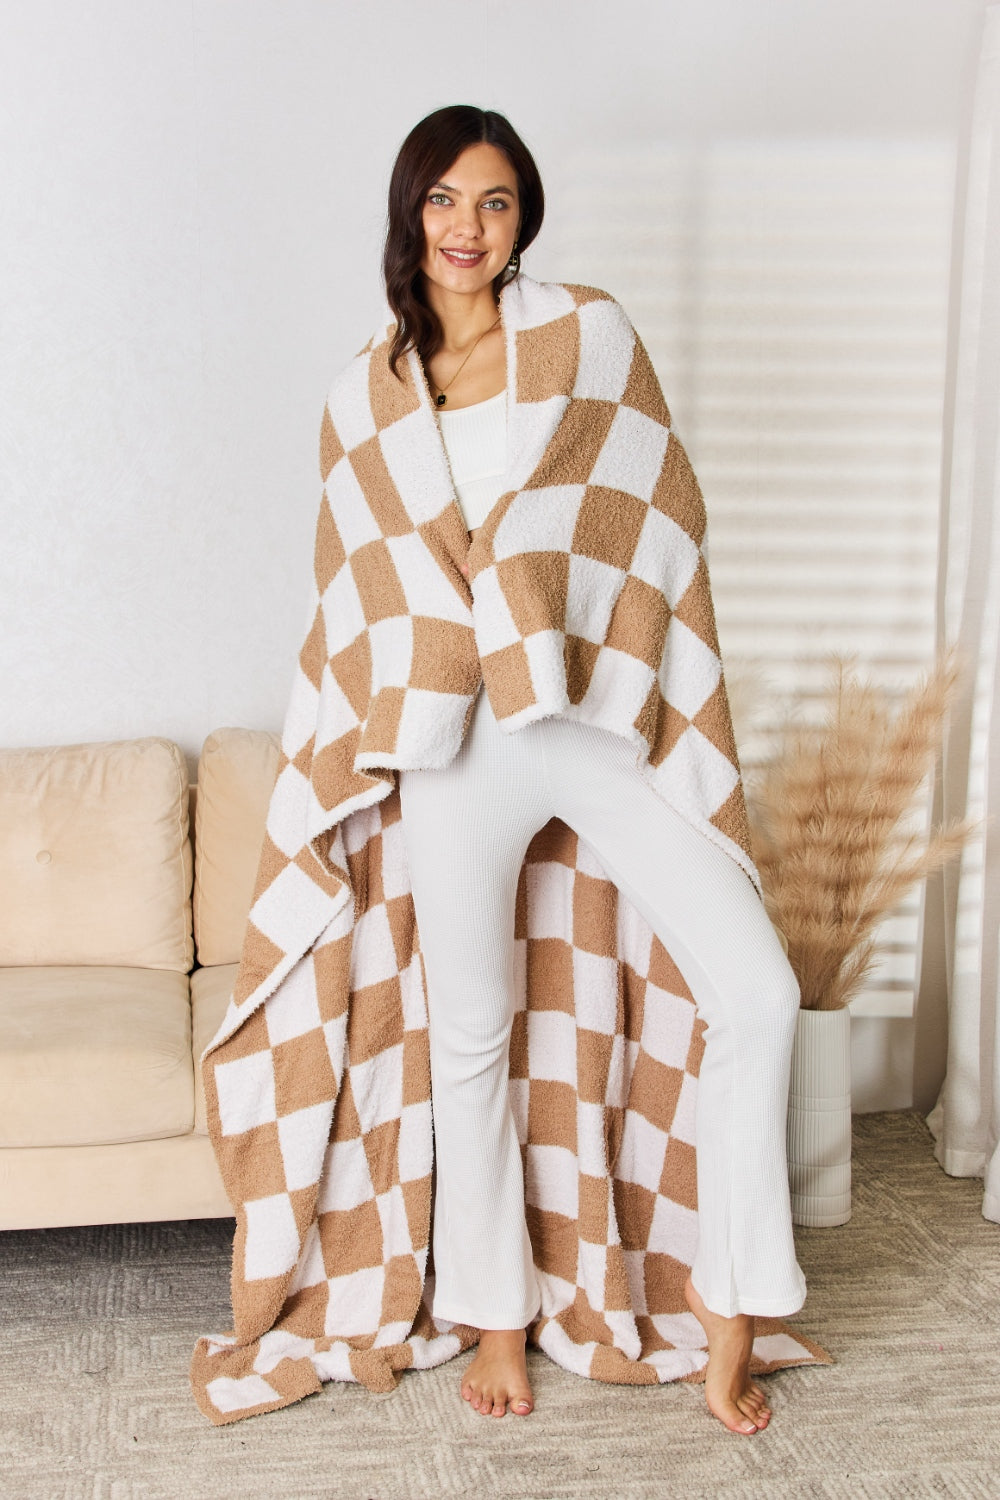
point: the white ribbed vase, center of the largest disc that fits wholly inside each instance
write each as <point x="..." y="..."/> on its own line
<point x="819" y="1119"/>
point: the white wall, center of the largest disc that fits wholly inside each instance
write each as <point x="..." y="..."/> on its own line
<point x="189" y="244"/>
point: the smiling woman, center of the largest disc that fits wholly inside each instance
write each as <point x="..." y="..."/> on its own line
<point x="458" y="271"/>
<point x="468" y="243"/>
<point x="509" y="813"/>
<point x="461" y="211"/>
<point x="470" y="238"/>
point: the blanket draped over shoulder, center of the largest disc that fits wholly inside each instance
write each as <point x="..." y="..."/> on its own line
<point x="587" y="596"/>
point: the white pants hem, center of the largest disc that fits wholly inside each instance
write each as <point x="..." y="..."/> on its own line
<point x="494" y="1320"/>
<point x="759" y="1307"/>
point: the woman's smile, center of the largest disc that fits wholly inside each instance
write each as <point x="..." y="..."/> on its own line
<point x="463" y="257"/>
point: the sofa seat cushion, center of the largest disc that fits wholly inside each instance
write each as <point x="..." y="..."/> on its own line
<point x="95" y="859"/>
<point x="210" y="992"/>
<point x="236" y="775"/>
<point x="94" y="1055"/>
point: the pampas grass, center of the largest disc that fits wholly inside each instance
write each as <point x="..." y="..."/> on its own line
<point x="826" y="813"/>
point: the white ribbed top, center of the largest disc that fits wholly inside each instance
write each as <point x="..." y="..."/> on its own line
<point x="475" y="439"/>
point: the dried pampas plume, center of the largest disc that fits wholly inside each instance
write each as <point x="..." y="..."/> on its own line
<point x="826" y="812"/>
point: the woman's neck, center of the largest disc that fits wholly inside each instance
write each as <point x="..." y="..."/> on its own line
<point x="463" y="317"/>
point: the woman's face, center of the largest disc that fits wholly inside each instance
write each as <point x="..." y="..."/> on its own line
<point x="470" y="219"/>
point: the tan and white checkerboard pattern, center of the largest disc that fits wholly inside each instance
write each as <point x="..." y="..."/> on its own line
<point x="587" y="596"/>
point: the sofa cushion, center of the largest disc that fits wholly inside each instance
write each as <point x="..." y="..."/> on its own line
<point x="95" y="860"/>
<point x="210" y="992"/>
<point x="236" y="773"/>
<point x="93" y="1056"/>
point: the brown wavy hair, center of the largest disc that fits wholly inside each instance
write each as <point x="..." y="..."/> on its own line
<point x="427" y="152"/>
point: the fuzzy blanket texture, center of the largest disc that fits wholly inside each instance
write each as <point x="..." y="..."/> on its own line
<point x="588" y="596"/>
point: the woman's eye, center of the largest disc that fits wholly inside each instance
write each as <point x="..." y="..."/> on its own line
<point x="443" y="198"/>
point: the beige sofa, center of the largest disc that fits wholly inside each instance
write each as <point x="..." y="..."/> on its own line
<point x="123" y="901"/>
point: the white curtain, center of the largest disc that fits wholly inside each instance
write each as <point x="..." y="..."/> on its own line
<point x="966" y="1118"/>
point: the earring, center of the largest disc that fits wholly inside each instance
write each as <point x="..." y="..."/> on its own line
<point x="514" y="264"/>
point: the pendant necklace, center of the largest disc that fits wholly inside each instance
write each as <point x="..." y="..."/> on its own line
<point x="441" y="398"/>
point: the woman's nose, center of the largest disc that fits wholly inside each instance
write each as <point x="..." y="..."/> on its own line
<point x="466" y="221"/>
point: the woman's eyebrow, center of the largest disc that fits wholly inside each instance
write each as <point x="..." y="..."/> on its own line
<point x="498" y="189"/>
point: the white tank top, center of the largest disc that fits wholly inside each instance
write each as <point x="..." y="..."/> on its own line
<point x="475" y="439"/>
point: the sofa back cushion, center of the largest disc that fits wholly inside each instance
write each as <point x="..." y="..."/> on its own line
<point x="236" y="775"/>
<point x="95" y="859"/>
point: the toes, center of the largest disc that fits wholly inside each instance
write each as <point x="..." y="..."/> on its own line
<point x="495" y="1384"/>
<point x="731" y="1416"/>
<point x="753" y="1402"/>
<point x="753" y="1410"/>
<point x="486" y="1405"/>
<point x="760" y="1410"/>
<point x="757" y="1411"/>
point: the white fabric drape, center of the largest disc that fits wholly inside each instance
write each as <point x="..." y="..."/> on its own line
<point x="966" y="1118"/>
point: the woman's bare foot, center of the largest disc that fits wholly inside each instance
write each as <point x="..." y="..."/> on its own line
<point x="731" y="1395"/>
<point x="499" y="1374"/>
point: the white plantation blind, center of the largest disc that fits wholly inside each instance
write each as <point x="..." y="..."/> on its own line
<point x="793" y="298"/>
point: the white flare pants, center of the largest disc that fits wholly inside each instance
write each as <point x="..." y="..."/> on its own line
<point x="466" y="828"/>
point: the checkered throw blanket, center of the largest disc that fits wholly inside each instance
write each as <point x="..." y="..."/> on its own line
<point x="587" y="595"/>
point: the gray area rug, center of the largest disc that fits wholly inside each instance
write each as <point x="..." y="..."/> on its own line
<point x="99" y="1325"/>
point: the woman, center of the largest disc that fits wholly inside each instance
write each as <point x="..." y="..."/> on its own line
<point x="465" y="200"/>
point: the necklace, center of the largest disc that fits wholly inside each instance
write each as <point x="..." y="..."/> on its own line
<point x="441" y="398"/>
